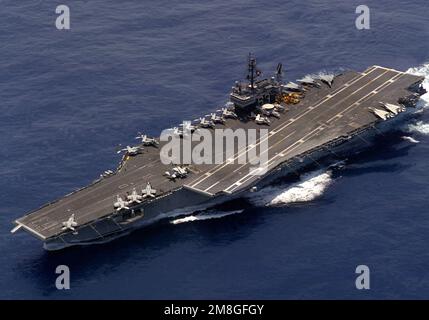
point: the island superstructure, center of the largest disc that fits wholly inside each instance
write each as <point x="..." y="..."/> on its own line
<point x="306" y="121"/>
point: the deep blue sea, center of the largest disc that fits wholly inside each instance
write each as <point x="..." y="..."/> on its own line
<point x="68" y="98"/>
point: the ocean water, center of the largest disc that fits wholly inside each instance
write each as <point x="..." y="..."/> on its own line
<point x="68" y="98"/>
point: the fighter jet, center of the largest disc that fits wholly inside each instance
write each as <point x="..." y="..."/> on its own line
<point x="393" y="108"/>
<point x="134" y="197"/>
<point x="292" y="86"/>
<point x="148" y="191"/>
<point x="146" y="141"/>
<point x="131" y="151"/>
<point x="328" y="79"/>
<point x="204" y="123"/>
<point x="384" y="115"/>
<point x="182" y="172"/>
<point x="69" y="224"/>
<point x="120" y="204"/>
<point x="177" y="131"/>
<point x="228" y="113"/>
<point x="217" y="119"/>
<point x="262" y="120"/>
<point x="187" y="125"/>
<point x="170" y="176"/>
<point x="178" y="172"/>
<point x="308" y="80"/>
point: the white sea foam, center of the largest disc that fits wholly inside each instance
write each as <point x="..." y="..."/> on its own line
<point x="307" y="190"/>
<point x="185" y="219"/>
<point x="310" y="187"/>
<point x="199" y="217"/>
<point x="419" y="127"/>
<point x="422" y="70"/>
<point x="410" y="139"/>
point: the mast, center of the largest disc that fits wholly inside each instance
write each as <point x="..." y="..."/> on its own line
<point x="251" y="71"/>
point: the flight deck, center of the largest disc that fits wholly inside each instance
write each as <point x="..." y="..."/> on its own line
<point x="315" y="123"/>
<point x="325" y="114"/>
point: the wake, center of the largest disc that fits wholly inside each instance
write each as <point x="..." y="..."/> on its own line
<point x="422" y="70"/>
<point x="310" y="187"/>
<point x="203" y="216"/>
<point x="420" y="127"/>
<point x="410" y="139"/>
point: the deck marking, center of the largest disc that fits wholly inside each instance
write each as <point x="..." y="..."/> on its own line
<point x="323" y="100"/>
<point x="112" y="180"/>
<point x="250" y="175"/>
<point x="32" y="230"/>
<point x="284" y="126"/>
<point x="269" y="148"/>
<point x="320" y="102"/>
<point x="297" y="142"/>
<point x="213" y="185"/>
<point x="246" y="178"/>
<point x="288" y="149"/>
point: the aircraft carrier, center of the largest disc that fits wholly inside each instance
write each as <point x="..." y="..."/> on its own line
<point x="307" y="120"/>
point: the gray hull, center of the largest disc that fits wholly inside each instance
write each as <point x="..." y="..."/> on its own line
<point x="184" y="201"/>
